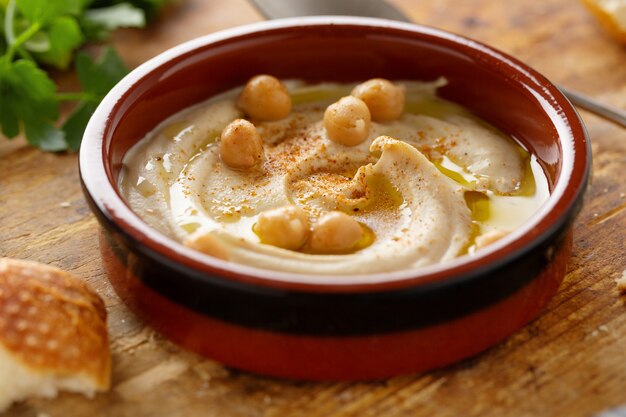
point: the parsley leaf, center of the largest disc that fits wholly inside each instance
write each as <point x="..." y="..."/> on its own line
<point x="74" y="126"/>
<point x="117" y="16"/>
<point x="64" y="36"/>
<point x="150" y="7"/>
<point x="42" y="11"/>
<point x="100" y="76"/>
<point x="48" y="32"/>
<point x="54" y="31"/>
<point x="27" y="97"/>
<point x="3" y="45"/>
<point x="96" y="79"/>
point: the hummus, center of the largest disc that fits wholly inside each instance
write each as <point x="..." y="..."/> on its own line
<point x="427" y="187"/>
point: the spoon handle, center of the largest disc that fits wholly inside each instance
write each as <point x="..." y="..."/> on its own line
<point x="615" y="115"/>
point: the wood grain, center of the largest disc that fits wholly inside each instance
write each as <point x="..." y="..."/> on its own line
<point x="569" y="362"/>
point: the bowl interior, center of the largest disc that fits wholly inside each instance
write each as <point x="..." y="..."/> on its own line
<point x="494" y="86"/>
<point x="340" y="53"/>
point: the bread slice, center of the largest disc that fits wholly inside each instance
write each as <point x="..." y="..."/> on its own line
<point x="611" y="14"/>
<point x="53" y="334"/>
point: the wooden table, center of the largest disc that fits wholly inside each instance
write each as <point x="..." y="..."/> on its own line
<point x="569" y="362"/>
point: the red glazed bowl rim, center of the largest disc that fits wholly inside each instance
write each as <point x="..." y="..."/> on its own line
<point x="554" y="214"/>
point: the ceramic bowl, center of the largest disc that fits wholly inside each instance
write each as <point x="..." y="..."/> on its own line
<point x="346" y="326"/>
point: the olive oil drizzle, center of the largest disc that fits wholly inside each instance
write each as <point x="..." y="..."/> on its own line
<point x="382" y="194"/>
<point x="479" y="203"/>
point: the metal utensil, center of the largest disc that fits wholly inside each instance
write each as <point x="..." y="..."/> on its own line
<point x="274" y="9"/>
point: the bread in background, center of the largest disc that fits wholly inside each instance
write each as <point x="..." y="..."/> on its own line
<point x="611" y="14"/>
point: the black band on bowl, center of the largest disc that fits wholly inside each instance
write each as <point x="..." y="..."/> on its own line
<point x="334" y="314"/>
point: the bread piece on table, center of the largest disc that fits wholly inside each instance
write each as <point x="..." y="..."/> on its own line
<point x="53" y="334"/>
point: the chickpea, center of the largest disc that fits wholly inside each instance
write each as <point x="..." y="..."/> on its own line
<point x="347" y="121"/>
<point x="286" y="227"/>
<point x="241" y="146"/>
<point x="335" y="232"/>
<point x="208" y="244"/>
<point x="384" y="99"/>
<point x="265" y="98"/>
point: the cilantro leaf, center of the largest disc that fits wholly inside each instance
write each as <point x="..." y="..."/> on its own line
<point x="96" y="79"/>
<point x="27" y="97"/>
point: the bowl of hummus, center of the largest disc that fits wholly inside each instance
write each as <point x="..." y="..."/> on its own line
<point x="335" y="197"/>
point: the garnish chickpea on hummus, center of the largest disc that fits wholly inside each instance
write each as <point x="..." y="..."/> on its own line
<point x="332" y="178"/>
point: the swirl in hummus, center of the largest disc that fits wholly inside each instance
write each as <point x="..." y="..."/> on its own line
<point x="425" y="185"/>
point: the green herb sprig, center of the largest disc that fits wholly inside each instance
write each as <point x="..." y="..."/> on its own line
<point x="40" y="34"/>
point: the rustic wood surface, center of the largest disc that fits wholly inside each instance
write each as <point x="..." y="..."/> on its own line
<point x="569" y="362"/>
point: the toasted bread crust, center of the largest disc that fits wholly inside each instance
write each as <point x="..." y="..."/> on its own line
<point x="606" y="20"/>
<point x="52" y="323"/>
